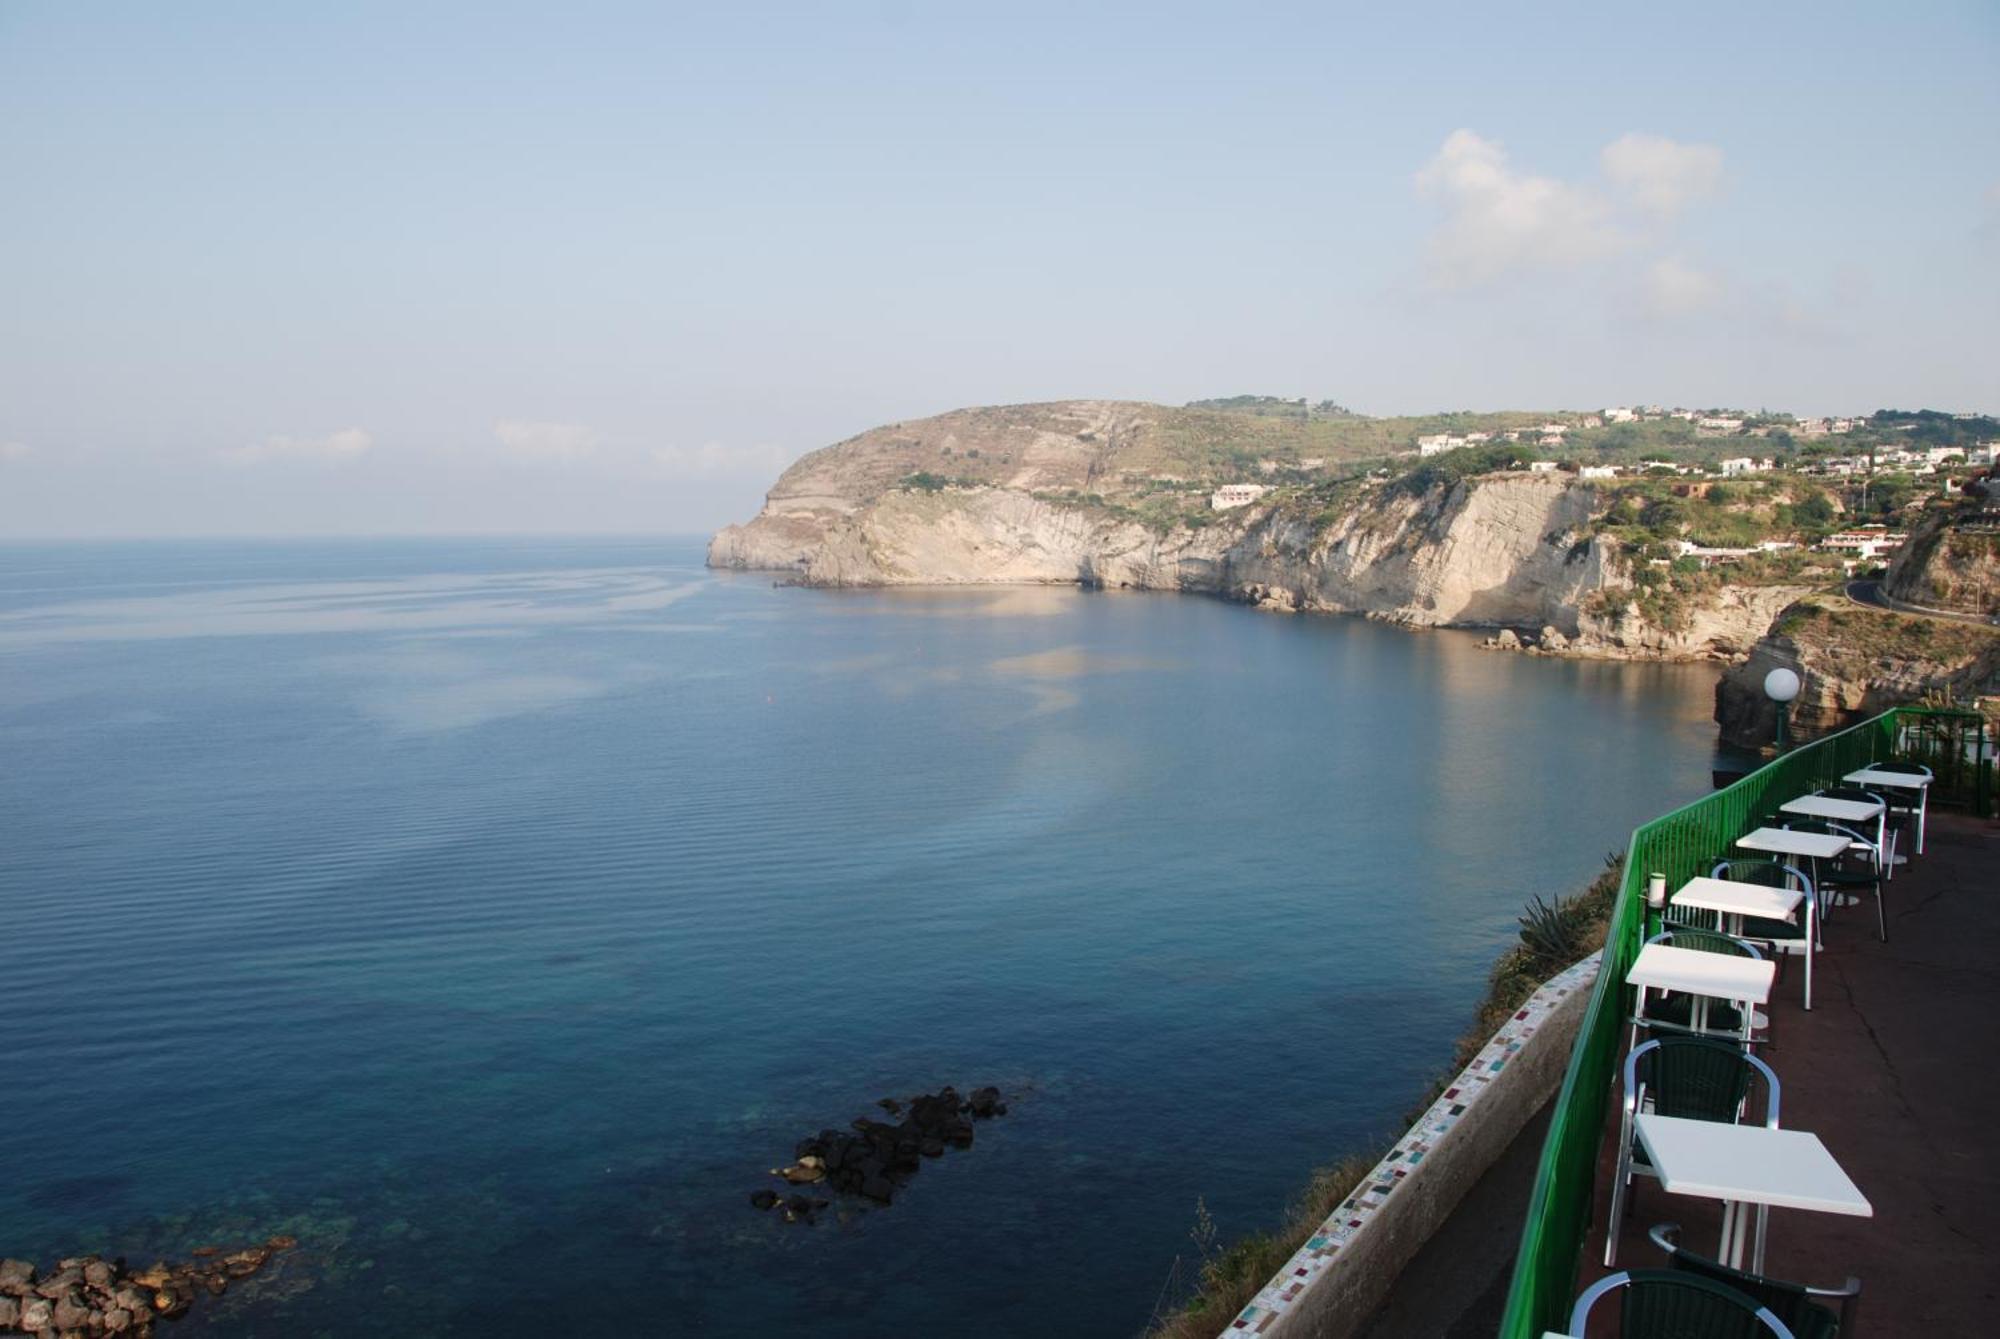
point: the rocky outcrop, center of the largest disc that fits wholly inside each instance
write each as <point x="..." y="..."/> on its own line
<point x="92" y="1295"/>
<point x="1725" y="627"/>
<point x="1853" y="662"/>
<point x="878" y="1158"/>
<point x="1069" y="493"/>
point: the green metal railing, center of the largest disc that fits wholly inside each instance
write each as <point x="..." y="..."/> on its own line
<point x="1958" y="748"/>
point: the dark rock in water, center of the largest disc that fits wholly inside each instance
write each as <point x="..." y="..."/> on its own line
<point x="65" y="1278"/>
<point x="98" y="1273"/>
<point x="873" y="1158"/>
<point x="16" y="1275"/>
<point x="69" y="1313"/>
<point x="172" y="1302"/>
<point x="242" y="1264"/>
<point x="763" y="1199"/>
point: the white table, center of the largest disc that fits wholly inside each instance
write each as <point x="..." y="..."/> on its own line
<point x="1743" y="1165"/>
<point x="1916" y="781"/>
<point x="1736" y="900"/>
<point x="1840" y="811"/>
<point x="1844" y="811"/>
<point x="1706" y="976"/>
<point x="1784" y="841"/>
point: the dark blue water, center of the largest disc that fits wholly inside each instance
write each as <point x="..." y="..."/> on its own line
<point x="492" y="915"/>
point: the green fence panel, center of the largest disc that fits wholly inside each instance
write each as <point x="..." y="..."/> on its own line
<point x="1680" y="845"/>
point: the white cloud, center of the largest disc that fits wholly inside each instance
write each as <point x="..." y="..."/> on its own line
<point x="1498" y="220"/>
<point x="346" y="444"/>
<point x="1659" y="175"/>
<point x="557" y="442"/>
<point x="1673" y="288"/>
<point x="711" y="459"/>
<point x="15" y="450"/>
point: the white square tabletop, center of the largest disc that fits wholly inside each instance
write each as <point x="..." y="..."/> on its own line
<point x="1720" y="976"/>
<point x="1784" y="841"/>
<point x="1868" y="776"/>
<point x="1749" y="1164"/>
<point x="1840" y="811"/>
<point x="1738" y="899"/>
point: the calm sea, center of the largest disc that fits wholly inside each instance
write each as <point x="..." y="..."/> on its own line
<point x="493" y="915"/>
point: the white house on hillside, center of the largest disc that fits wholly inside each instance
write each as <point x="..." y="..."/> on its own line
<point x="1236" y="495"/>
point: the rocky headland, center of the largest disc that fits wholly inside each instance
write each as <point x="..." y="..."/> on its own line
<point x="1116" y="494"/>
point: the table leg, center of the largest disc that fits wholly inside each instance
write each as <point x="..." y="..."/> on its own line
<point x="1757" y="1252"/>
<point x="1923" y="812"/>
<point x="1735" y="1225"/>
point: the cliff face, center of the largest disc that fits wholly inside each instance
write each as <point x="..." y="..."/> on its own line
<point x="1951" y="562"/>
<point x="1473" y="554"/>
<point x="1058" y="494"/>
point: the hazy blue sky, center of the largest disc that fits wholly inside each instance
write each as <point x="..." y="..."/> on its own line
<point x="402" y="268"/>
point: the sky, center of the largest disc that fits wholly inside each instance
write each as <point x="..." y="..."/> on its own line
<point x="587" y="267"/>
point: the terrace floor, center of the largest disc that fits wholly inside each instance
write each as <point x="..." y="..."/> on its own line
<point x="1897" y="1070"/>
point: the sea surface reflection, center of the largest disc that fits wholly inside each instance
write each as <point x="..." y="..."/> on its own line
<point x="397" y="896"/>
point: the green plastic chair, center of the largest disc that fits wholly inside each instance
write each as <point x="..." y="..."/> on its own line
<point x="1793" y="1303"/>
<point x="1695" y="1078"/>
<point x="1782" y="938"/>
<point x="1859" y="867"/>
<point x="1669" y="1304"/>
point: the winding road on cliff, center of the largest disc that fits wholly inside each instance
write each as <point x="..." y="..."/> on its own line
<point x="1871" y="594"/>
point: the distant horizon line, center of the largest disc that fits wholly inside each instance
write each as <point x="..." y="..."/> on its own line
<point x="350" y="536"/>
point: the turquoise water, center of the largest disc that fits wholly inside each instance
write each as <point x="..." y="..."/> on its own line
<point x="492" y="915"/>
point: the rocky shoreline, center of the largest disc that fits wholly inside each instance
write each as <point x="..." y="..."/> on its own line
<point x="88" y="1295"/>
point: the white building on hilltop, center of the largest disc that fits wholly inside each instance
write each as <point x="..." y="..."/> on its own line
<point x="1236" y="495"/>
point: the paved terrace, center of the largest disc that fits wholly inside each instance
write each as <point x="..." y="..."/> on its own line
<point x="1897" y="1070"/>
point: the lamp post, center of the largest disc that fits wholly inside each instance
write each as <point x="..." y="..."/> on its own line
<point x="1781" y="686"/>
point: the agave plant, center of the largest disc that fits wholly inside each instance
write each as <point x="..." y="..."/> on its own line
<point x="1553" y="931"/>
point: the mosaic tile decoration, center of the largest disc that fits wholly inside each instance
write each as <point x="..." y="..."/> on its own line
<point x="1354" y="1215"/>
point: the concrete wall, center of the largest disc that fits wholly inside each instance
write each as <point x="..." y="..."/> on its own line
<point x="1330" y="1288"/>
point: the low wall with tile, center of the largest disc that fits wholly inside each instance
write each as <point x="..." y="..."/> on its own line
<point x="1335" y="1282"/>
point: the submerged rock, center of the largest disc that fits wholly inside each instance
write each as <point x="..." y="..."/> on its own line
<point x="874" y="1159"/>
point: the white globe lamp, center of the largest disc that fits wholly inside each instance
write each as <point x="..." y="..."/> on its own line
<point x="1781" y="686"/>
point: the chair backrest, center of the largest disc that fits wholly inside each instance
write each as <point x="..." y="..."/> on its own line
<point x="1704" y="941"/>
<point x="1664" y="1303"/>
<point x="1851" y="793"/>
<point x="1698" y="1078"/>
<point x="1791" y="1303"/>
